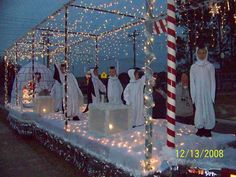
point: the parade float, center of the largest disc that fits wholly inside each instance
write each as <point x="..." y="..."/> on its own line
<point x="100" y="144"/>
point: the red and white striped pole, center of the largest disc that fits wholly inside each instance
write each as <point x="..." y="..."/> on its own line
<point x="171" y="72"/>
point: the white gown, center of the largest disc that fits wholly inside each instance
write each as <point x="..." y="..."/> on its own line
<point x="39" y="86"/>
<point x="114" y="90"/>
<point x="56" y="93"/>
<point x="133" y="95"/>
<point x="75" y="97"/>
<point x="98" y="85"/>
<point x="202" y="89"/>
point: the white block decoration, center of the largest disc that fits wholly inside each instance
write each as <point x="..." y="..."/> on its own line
<point x="107" y="119"/>
<point x="43" y="105"/>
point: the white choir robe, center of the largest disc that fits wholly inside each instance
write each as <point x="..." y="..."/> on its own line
<point x="114" y="90"/>
<point x="39" y="86"/>
<point x="75" y="97"/>
<point x="97" y="85"/>
<point x="202" y="89"/>
<point x="56" y="93"/>
<point x="133" y="95"/>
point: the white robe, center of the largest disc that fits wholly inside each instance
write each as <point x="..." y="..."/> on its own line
<point x="56" y="93"/>
<point x="39" y="86"/>
<point x="114" y="90"/>
<point x="184" y="105"/>
<point x="74" y="95"/>
<point x="97" y="85"/>
<point x="133" y="95"/>
<point x="202" y="89"/>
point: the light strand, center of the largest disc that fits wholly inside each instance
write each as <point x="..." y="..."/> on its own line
<point x="6" y="80"/>
<point x="148" y="100"/>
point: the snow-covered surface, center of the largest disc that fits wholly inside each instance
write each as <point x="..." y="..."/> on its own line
<point x="126" y="149"/>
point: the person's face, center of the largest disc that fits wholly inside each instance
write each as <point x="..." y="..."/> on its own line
<point x="87" y="76"/>
<point x="155" y="76"/>
<point x="112" y="72"/>
<point x="95" y="72"/>
<point x="201" y="53"/>
<point x="184" y="79"/>
<point x="63" y="69"/>
<point x="136" y="75"/>
<point x="37" y="76"/>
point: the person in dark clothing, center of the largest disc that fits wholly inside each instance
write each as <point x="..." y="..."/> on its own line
<point x="159" y="98"/>
<point x="10" y="77"/>
<point x="90" y="90"/>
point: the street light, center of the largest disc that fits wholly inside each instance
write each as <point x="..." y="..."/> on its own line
<point x="133" y="36"/>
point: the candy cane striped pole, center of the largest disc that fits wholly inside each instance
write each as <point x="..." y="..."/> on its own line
<point x="171" y="72"/>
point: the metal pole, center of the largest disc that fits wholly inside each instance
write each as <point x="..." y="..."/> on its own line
<point x="133" y="36"/>
<point x="6" y="80"/>
<point x="134" y="47"/>
<point x="48" y="51"/>
<point x="16" y="75"/>
<point x="66" y="60"/>
<point x="148" y="100"/>
<point x="117" y="67"/>
<point x="43" y="57"/>
<point x="32" y="58"/>
<point x="97" y="51"/>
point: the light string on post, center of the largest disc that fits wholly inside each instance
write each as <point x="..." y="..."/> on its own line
<point x="6" y="79"/>
<point x="16" y="75"/>
<point x="148" y="100"/>
<point x="33" y="59"/>
<point x="65" y="102"/>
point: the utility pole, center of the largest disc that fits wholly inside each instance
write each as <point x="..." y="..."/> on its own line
<point x="96" y="50"/>
<point x="133" y="36"/>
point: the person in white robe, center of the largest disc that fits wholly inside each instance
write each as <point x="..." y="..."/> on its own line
<point x="74" y="94"/>
<point x="202" y="89"/>
<point x="184" y="106"/>
<point x="133" y="96"/>
<point x="56" y="91"/>
<point x="114" y="88"/>
<point x="97" y="86"/>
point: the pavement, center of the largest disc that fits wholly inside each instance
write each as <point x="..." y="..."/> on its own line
<point x="225" y="126"/>
<point x="25" y="157"/>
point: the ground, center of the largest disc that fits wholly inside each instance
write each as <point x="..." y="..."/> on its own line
<point x="25" y="157"/>
<point x="226" y="107"/>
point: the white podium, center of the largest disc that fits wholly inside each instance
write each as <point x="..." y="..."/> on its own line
<point x="107" y="119"/>
<point x="43" y="105"/>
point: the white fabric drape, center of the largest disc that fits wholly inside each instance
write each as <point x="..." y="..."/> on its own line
<point x="114" y="90"/>
<point x="74" y="95"/>
<point x="56" y="93"/>
<point x="202" y="89"/>
<point x="133" y="95"/>
<point x="98" y="85"/>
